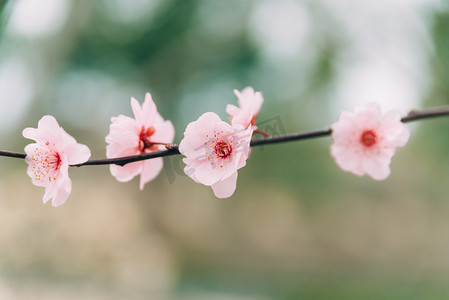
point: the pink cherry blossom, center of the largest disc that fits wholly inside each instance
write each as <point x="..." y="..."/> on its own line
<point x="214" y="152"/>
<point x="50" y="157"/>
<point x="250" y="103"/>
<point x="147" y="132"/>
<point x="365" y="140"/>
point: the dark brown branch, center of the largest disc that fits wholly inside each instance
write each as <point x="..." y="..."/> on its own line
<point x="411" y="116"/>
<point x="428" y="113"/>
<point x="12" y="154"/>
<point x="290" y="137"/>
<point x="121" y="161"/>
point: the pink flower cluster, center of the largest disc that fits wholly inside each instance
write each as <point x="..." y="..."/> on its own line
<point x="364" y="142"/>
<point x="215" y="150"/>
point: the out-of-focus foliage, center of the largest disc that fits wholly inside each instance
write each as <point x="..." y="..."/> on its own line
<point x="297" y="226"/>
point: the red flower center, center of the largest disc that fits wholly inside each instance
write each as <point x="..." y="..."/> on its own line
<point x="54" y="161"/>
<point x="144" y="139"/>
<point x="223" y="149"/>
<point x="368" y="138"/>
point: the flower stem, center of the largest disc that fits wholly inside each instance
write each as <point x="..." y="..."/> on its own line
<point x="262" y="132"/>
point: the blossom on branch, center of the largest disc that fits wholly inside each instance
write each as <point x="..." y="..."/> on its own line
<point x="365" y="140"/>
<point x="50" y="157"/>
<point x="214" y="152"/>
<point x="250" y="103"/>
<point x="147" y="132"/>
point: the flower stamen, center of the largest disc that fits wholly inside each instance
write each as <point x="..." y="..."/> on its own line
<point x="222" y="149"/>
<point x="144" y="139"/>
<point x="368" y="138"/>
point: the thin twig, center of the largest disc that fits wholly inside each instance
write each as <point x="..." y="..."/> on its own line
<point x="173" y="149"/>
<point x="12" y="154"/>
<point x="121" y="161"/>
<point x="428" y="113"/>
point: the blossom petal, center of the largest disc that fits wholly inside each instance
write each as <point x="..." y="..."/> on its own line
<point x="196" y="134"/>
<point x="232" y="109"/>
<point x="165" y="133"/>
<point x="59" y="189"/>
<point x="208" y="174"/>
<point x="77" y="154"/>
<point x="48" y="131"/>
<point x="225" y="188"/>
<point x="127" y="172"/>
<point x="378" y="170"/>
<point x="150" y="169"/>
<point x="149" y="111"/>
<point x="137" y="110"/>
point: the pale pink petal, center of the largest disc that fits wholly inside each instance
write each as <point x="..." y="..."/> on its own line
<point x="193" y="147"/>
<point x="123" y="123"/>
<point x="249" y="96"/>
<point x="258" y="101"/>
<point x="247" y="92"/>
<point x="189" y="169"/>
<point x="150" y="169"/>
<point x="232" y="109"/>
<point x="225" y="188"/>
<point x="378" y="170"/>
<point x="59" y="189"/>
<point x="125" y="141"/>
<point x="205" y="120"/>
<point x="77" y="154"/>
<point x="61" y="195"/>
<point x="123" y="138"/>
<point x="402" y="137"/>
<point x="63" y="188"/>
<point x="165" y="133"/>
<point x="32" y="134"/>
<point x="240" y="98"/>
<point x="49" y="123"/>
<point x="196" y="134"/>
<point x="67" y="140"/>
<point x="348" y="161"/>
<point x="48" y="131"/>
<point x="232" y="166"/>
<point x="208" y="174"/>
<point x="116" y="150"/>
<point x="391" y="117"/>
<point x="396" y="134"/>
<point x="127" y="172"/>
<point x="149" y="111"/>
<point x="243" y="118"/>
<point x="193" y="136"/>
<point x="137" y="110"/>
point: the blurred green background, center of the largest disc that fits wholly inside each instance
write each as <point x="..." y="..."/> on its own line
<point x="297" y="227"/>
